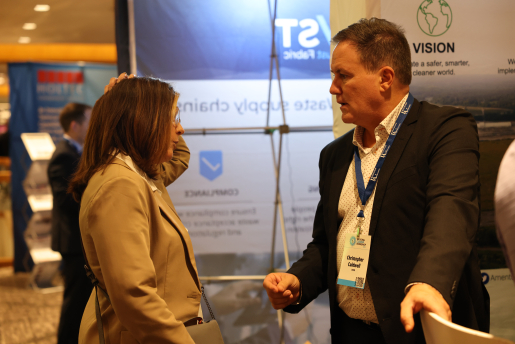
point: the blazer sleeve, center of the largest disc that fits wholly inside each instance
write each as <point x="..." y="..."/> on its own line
<point x="311" y="269"/>
<point x="171" y="170"/>
<point x="118" y="224"/>
<point x="452" y="204"/>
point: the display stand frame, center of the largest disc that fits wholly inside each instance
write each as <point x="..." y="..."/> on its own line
<point x="267" y="130"/>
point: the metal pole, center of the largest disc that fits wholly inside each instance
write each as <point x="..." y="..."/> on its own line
<point x="280" y="320"/>
<point x="273" y="57"/>
<point x="256" y="130"/>
<point x="280" y="88"/>
<point x="274" y="226"/>
<point x="280" y="205"/>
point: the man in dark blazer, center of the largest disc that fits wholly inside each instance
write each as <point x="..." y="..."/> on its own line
<point x="74" y="119"/>
<point x="422" y="215"/>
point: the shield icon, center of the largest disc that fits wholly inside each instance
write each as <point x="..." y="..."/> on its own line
<point x="211" y="166"/>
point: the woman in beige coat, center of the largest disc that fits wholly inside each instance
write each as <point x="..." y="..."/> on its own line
<point x="136" y="245"/>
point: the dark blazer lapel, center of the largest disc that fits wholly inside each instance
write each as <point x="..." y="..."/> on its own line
<point x="391" y="161"/>
<point x="183" y="232"/>
<point x="339" y="169"/>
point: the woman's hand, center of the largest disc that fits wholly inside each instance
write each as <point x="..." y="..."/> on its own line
<point x="114" y="81"/>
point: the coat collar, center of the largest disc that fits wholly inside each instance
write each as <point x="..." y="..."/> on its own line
<point x="343" y="159"/>
<point x="341" y="162"/>
<point x="391" y="161"/>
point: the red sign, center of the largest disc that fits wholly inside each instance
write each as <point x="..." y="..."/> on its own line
<point x="52" y="76"/>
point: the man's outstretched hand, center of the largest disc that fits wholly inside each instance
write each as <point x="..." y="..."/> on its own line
<point x="283" y="289"/>
<point x="423" y="296"/>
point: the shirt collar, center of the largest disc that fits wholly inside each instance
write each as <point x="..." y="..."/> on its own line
<point x="386" y="124"/>
<point x="128" y="160"/>
<point x="74" y="143"/>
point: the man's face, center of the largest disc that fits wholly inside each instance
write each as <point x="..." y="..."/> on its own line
<point x="82" y="128"/>
<point x="356" y="89"/>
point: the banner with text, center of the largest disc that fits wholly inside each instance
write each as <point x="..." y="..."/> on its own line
<point x="217" y="56"/>
<point x="219" y="61"/>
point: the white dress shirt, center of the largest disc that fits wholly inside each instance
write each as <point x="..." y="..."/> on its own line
<point x="357" y="303"/>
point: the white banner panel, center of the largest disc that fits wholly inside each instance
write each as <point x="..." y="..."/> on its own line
<point x="226" y="198"/>
<point x="244" y="103"/>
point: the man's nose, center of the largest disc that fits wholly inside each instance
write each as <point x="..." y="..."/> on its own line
<point x="334" y="89"/>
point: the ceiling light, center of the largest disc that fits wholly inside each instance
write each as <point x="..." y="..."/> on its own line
<point x="29" y="26"/>
<point x="42" y="8"/>
<point x="24" y="40"/>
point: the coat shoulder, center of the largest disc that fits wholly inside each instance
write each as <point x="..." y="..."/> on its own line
<point x="437" y="114"/>
<point x="114" y="178"/>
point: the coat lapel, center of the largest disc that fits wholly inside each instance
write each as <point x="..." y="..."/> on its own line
<point x="391" y="161"/>
<point x="177" y="224"/>
<point x="338" y="173"/>
<point x="164" y="194"/>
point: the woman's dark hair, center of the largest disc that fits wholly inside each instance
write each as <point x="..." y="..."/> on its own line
<point x="134" y="118"/>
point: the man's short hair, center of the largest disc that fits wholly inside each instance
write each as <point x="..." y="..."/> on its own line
<point x="379" y="43"/>
<point x="72" y="112"/>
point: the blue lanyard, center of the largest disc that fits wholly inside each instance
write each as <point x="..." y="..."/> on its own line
<point x="364" y="194"/>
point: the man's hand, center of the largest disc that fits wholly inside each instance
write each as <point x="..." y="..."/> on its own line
<point x="283" y="289"/>
<point x="422" y="296"/>
<point x="113" y="81"/>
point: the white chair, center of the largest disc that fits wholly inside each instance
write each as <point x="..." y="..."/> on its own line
<point x="440" y="331"/>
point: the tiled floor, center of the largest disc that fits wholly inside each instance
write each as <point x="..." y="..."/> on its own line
<point x="26" y="316"/>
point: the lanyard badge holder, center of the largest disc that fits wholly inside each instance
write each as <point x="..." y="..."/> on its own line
<point x="354" y="264"/>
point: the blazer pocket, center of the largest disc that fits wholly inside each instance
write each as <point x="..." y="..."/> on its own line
<point x="127" y="338"/>
<point x="195" y="296"/>
<point x="402" y="175"/>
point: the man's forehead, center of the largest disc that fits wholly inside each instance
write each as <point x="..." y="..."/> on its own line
<point x="343" y="52"/>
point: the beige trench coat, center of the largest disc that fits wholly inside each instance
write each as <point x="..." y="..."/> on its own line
<point x="142" y="254"/>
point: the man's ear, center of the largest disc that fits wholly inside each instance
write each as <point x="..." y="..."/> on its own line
<point x="387" y="75"/>
<point x="73" y="126"/>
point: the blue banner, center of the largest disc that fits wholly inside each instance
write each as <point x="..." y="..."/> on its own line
<point x="231" y="39"/>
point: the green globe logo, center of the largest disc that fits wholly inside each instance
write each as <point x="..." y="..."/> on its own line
<point x="434" y="17"/>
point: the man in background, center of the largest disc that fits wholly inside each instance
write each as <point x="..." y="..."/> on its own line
<point x="74" y="119"/>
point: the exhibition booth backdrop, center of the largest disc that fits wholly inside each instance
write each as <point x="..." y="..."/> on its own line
<point x="219" y="60"/>
<point x="38" y="91"/>
<point x="217" y="56"/>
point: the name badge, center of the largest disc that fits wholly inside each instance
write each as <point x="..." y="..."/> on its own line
<point x="353" y="268"/>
